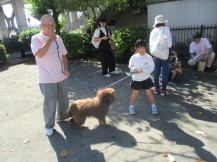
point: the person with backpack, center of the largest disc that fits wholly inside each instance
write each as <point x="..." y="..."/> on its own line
<point x="159" y="43"/>
<point x="102" y="36"/>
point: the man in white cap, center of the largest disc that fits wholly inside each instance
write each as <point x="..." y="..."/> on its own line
<point x="159" y="31"/>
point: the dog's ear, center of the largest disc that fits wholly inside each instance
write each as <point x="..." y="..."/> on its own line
<point x="106" y="95"/>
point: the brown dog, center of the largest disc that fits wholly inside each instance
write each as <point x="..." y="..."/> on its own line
<point x="97" y="107"/>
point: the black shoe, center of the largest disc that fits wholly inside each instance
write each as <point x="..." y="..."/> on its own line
<point x="208" y="69"/>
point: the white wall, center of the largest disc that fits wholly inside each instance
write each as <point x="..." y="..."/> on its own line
<point x="185" y="12"/>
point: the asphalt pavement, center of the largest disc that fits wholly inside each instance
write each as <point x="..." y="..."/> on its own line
<point x="185" y="129"/>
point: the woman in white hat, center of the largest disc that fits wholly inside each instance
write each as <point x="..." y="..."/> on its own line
<point x="163" y="32"/>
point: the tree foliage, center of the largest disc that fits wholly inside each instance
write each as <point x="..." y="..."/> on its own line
<point x="91" y="8"/>
<point x="42" y="7"/>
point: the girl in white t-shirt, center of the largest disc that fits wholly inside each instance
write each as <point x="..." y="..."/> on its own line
<point x="141" y="65"/>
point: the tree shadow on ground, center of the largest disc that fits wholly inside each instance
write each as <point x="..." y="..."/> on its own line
<point x="172" y="132"/>
<point x="186" y="98"/>
<point x="78" y="143"/>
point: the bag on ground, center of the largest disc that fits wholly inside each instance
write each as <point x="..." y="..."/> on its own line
<point x="201" y="66"/>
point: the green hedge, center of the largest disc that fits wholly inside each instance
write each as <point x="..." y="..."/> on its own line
<point x="25" y="38"/>
<point x="3" y="53"/>
<point x="125" y="39"/>
<point x="12" y="44"/>
<point x="78" y="44"/>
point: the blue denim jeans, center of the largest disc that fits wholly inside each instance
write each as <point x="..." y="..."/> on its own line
<point x="164" y="65"/>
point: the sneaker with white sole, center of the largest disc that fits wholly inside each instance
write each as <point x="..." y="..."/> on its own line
<point x="132" y="110"/>
<point x="49" y="131"/>
<point x="107" y="75"/>
<point x="58" y="120"/>
<point x="154" y="110"/>
<point x="164" y="93"/>
<point x="157" y="91"/>
<point x="115" y="72"/>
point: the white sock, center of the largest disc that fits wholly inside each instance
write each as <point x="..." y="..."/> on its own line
<point x="152" y="105"/>
<point x="131" y="106"/>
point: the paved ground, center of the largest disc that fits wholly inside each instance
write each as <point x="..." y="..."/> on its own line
<point x="190" y="108"/>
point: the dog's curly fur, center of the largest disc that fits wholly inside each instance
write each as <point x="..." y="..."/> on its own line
<point x="97" y="107"/>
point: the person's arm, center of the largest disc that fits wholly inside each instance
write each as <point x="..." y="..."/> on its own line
<point x="209" y="48"/>
<point x="192" y="50"/>
<point x="96" y="39"/>
<point x="169" y="38"/>
<point x="43" y="50"/>
<point x="151" y="42"/>
<point x="96" y="36"/>
<point x="150" y="68"/>
<point x="208" y="51"/>
<point x="192" y="55"/>
<point x="131" y="65"/>
<point x="65" y="64"/>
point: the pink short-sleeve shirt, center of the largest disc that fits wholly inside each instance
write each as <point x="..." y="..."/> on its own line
<point x="50" y="66"/>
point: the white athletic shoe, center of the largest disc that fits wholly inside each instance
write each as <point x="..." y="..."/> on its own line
<point x="49" y="131"/>
<point x="115" y="72"/>
<point x="107" y="75"/>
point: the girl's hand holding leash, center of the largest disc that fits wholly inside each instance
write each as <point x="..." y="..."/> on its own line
<point x="136" y="71"/>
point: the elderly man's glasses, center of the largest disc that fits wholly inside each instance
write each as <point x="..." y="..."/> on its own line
<point x="50" y="26"/>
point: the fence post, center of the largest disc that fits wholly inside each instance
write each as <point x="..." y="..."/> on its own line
<point x="22" y="51"/>
<point x="201" y="30"/>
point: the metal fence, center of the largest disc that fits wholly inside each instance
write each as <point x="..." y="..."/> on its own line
<point x="182" y="36"/>
<point x="15" y="49"/>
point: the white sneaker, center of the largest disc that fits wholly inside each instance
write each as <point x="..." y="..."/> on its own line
<point x="132" y="110"/>
<point x="154" y="110"/>
<point x="115" y="72"/>
<point x="58" y="120"/>
<point x="49" y="131"/>
<point x="107" y="75"/>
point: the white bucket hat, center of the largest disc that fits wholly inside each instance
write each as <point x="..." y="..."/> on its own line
<point x="160" y="20"/>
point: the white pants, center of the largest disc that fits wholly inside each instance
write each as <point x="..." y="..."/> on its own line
<point x="208" y="58"/>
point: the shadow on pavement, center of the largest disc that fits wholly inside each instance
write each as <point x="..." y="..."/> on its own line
<point x="172" y="132"/>
<point x="78" y="143"/>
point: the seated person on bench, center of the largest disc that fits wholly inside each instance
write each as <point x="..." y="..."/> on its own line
<point x="201" y="50"/>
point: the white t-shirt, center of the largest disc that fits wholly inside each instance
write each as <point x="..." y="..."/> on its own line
<point x="97" y="32"/>
<point x="156" y="33"/>
<point x="50" y="66"/>
<point x="200" y="47"/>
<point x="144" y="63"/>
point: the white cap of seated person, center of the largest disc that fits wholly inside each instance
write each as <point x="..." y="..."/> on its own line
<point x="160" y="19"/>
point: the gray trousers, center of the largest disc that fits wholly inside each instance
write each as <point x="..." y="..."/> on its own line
<point x="55" y="100"/>
<point x="208" y="58"/>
